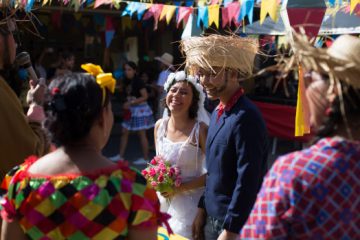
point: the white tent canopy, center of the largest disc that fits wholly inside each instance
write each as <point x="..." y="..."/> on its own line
<point x="341" y="23"/>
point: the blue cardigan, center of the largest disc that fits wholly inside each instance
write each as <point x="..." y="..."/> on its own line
<point x="236" y="157"/>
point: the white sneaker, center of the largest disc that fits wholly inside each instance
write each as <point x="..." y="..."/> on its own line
<point x="140" y="161"/>
<point x="116" y="158"/>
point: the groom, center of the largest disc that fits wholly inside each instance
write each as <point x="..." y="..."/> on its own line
<point x="236" y="147"/>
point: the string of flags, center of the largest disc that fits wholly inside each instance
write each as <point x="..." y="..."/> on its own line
<point x="207" y="11"/>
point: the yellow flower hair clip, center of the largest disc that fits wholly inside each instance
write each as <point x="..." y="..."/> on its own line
<point x="105" y="80"/>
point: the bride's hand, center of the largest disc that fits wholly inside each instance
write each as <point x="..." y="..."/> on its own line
<point x="169" y="194"/>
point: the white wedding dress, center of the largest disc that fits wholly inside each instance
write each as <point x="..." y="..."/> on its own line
<point x="187" y="155"/>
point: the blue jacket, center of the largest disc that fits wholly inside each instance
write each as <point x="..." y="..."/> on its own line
<point x="236" y="156"/>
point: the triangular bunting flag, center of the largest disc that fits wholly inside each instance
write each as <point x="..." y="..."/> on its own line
<point x="247" y="7"/>
<point x="233" y="12"/>
<point x="184" y="13"/>
<point x="155" y="12"/>
<point x="203" y="17"/>
<point x="224" y="16"/>
<point x="268" y="7"/>
<point x="141" y="8"/>
<point x="168" y="12"/>
<point x="353" y="4"/>
<point x="214" y="15"/>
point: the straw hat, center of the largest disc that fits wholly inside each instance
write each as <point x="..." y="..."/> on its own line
<point x="220" y="51"/>
<point x="341" y="61"/>
<point x="166" y="59"/>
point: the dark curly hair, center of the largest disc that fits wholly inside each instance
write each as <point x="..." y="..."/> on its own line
<point x="335" y="118"/>
<point x="194" y="107"/>
<point x="74" y="103"/>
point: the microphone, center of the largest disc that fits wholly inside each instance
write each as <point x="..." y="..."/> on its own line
<point x="24" y="61"/>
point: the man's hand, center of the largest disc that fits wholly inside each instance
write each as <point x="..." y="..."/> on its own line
<point x="226" y="235"/>
<point x="198" y="225"/>
<point x="36" y="93"/>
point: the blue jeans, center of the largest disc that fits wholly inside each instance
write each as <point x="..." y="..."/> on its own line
<point x="213" y="228"/>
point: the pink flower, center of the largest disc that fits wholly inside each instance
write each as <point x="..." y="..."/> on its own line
<point x="144" y="172"/>
<point x="152" y="172"/>
<point x="153" y="183"/>
<point x="172" y="170"/>
<point x="153" y="161"/>
<point x="161" y="178"/>
<point x="178" y="182"/>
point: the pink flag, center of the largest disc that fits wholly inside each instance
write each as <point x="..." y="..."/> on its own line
<point x="234" y="10"/>
<point x="155" y="12"/>
<point x="184" y="13"/>
<point x="225" y="16"/>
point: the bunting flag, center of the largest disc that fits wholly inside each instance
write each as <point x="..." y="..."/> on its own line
<point x="203" y="16"/>
<point x="155" y="12"/>
<point x="102" y="2"/>
<point x="234" y="11"/>
<point x="109" y="35"/>
<point x="225" y="16"/>
<point x="190" y="28"/>
<point x="302" y="118"/>
<point x="268" y="7"/>
<point x="353" y="4"/>
<point x="130" y="9"/>
<point x="247" y="7"/>
<point x="141" y="8"/>
<point x="29" y="5"/>
<point x="214" y="15"/>
<point x="184" y="13"/>
<point x="168" y="12"/>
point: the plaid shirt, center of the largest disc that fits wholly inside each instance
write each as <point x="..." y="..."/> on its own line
<point x="310" y="194"/>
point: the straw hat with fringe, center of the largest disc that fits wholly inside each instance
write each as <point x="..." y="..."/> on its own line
<point x="220" y="51"/>
<point x="341" y="61"/>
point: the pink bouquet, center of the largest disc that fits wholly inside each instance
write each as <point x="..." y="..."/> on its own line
<point x="161" y="175"/>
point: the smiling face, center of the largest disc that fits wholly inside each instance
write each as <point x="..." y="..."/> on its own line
<point x="214" y="83"/>
<point x="180" y="97"/>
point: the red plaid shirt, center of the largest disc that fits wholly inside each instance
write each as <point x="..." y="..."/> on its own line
<point x="310" y="194"/>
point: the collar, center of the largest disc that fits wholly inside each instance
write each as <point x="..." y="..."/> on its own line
<point x="230" y="104"/>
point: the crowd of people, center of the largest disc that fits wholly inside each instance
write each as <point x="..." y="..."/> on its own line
<point x="57" y="184"/>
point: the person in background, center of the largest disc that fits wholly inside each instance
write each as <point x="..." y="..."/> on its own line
<point x="236" y="146"/>
<point x="67" y="61"/>
<point x="21" y="135"/>
<point x="314" y="193"/>
<point x="138" y="116"/>
<point x="166" y="67"/>
<point x="75" y="192"/>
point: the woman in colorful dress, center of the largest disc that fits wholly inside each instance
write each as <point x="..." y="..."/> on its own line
<point x="180" y="138"/>
<point x="314" y="193"/>
<point x="75" y="192"/>
<point x="138" y="115"/>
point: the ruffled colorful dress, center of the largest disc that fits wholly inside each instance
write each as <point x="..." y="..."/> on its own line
<point x="101" y="205"/>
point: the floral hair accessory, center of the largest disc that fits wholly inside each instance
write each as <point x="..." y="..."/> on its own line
<point x="202" y="114"/>
<point x="181" y="76"/>
<point x="105" y="80"/>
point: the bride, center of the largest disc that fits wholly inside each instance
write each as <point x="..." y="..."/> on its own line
<point x="180" y="138"/>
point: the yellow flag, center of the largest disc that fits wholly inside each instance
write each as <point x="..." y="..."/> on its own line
<point x="268" y="6"/>
<point x="214" y="14"/>
<point x="302" y="118"/>
<point x="353" y="4"/>
<point x="168" y="12"/>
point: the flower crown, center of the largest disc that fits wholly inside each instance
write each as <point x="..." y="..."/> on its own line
<point x="181" y="76"/>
